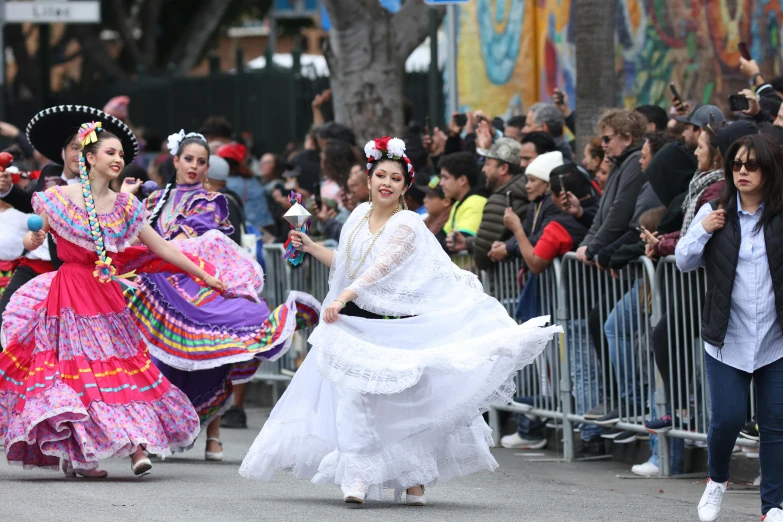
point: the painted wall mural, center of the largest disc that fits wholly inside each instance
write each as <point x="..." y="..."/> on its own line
<point x="513" y="53"/>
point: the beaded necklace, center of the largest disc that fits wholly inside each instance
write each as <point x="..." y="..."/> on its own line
<point x="352" y="237"/>
<point x="104" y="271"/>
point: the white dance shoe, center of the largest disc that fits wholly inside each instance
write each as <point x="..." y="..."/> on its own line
<point x="215" y="456"/>
<point x="354" y="494"/>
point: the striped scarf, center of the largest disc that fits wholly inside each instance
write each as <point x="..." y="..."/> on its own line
<point x="699" y="183"/>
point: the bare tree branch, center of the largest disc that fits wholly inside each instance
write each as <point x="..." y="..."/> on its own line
<point x="27" y="71"/>
<point x="95" y="52"/>
<point x="411" y="25"/>
<point x="150" y="12"/>
<point x="121" y="19"/>
<point x="186" y="53"/>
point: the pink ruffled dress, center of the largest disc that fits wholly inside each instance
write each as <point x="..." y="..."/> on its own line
<point x="76" y="381"/>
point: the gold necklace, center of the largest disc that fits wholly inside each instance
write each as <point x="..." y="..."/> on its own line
<point x="352" y="236"/>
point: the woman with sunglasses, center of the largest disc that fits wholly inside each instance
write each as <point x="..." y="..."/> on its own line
<point x="739" y="239"/>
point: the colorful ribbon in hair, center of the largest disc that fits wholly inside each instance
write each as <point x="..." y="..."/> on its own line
<point x="294" y="256"/>
<point x="88" y="132"/>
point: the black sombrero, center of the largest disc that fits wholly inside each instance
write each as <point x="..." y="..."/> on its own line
<point x="49" y="129"/>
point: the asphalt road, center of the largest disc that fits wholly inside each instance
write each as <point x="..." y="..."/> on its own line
<point x="525" y="488"/>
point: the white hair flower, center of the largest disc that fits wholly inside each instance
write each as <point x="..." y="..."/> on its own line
<point x="396" y="148"/>
<point x="174" y="140"/>
<point x="371" y="151"/>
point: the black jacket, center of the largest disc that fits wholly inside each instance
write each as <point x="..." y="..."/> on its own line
<point x="22" y="200"/>
<point x="534" y="225"/>
<point x="721" y="255"/>
<point x="578" y="228"/>
<point x="236" y="214"/>
<point x="618" y="202"/>
<point x="492" y="228"/>
<point x="667" y="178"/>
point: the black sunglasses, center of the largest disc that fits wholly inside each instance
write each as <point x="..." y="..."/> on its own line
<point x="750" y="165"/>
<point x="607" y="139"/>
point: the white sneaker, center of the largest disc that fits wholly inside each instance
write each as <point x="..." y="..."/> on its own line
<point x="648" y="469"/>
<point x="709" y="505"/>
<point x="773" y="515"/>
<point x="757" y="481"/>
<point x="751" y="453"/>
<point x="514" y="441"/>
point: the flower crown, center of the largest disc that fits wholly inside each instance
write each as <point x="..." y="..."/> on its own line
<point x="387" y="148"/>
<point x="176" y="138"/>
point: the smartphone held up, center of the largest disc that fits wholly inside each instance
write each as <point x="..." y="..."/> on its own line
<point x="738" y="103"/>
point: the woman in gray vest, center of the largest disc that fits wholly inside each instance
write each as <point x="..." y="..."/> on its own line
<point x="739" y="240"/>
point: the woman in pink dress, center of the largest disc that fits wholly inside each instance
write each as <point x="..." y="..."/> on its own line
<point x="76" y="381"/>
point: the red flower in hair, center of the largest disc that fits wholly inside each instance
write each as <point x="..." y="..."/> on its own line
<point x="382" y="143"/>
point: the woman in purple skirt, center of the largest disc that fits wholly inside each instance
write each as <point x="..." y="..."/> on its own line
<point x="196" y="336"/>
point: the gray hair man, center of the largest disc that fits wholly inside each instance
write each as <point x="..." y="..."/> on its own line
<point x="547" y="118"/>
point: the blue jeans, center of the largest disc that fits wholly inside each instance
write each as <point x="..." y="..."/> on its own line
<point x="620" y="328"/>
<point x="729" y="394"/>
<point x="530" y="429"/>
<point x="585" y="375"/>
<point x="676" y="447"/>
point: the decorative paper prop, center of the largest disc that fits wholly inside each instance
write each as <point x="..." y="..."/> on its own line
<point x="299" y="218"/>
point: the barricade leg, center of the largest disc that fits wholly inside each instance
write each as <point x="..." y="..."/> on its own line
<point x="495" y="425"/>
<point x="565" y="399"/>
<point x="664" y="465"/>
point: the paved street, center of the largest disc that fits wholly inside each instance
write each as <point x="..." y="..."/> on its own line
<point x="187" y="488"/>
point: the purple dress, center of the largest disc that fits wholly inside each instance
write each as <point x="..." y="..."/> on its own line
<point x="195" y="335"/>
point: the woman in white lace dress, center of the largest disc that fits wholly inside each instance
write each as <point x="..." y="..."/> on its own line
<point x="409" y="354"/>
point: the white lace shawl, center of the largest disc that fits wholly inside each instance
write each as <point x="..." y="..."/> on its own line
<point x="411" y="275"/>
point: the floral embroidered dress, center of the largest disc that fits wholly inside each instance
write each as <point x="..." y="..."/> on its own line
<point x="76" y="381"/>
<point x="196" y="336"/>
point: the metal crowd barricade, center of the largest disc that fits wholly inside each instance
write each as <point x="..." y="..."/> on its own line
<point x="539" y="381"/>
<point x="573" y="376"/>
<point x="679" y="302"/>
<point x="280" y="278"/>
<point x="465" y="261"/>
<point x="619" y="373"/>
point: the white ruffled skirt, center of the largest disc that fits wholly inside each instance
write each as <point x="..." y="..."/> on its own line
<point x="391" y="404"/>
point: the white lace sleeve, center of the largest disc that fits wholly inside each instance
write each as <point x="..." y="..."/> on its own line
<point x="400" y="247"/>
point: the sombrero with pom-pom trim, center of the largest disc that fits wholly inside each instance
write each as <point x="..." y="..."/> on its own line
<point x="49" y="129"/>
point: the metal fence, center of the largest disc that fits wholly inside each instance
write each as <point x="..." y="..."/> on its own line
<point x="603" y="362"/>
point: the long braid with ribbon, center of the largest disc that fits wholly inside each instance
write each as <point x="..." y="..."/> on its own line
<point x="104" y="271"/>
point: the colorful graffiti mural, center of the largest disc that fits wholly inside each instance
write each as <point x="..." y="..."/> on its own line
<point x="513" y="53"/>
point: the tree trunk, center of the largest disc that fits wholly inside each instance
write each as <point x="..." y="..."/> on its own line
<point x="595" y="76"/>
<point x="191" y="43"/>
<point x="94" y="51"/>
<point x="367" y="50"/>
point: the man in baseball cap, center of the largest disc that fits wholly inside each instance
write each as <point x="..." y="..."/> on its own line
<point x="697" y="120"/>
<point x="506" y="182"/>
